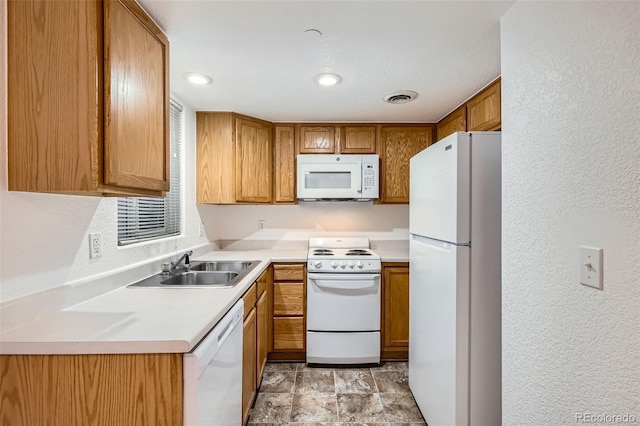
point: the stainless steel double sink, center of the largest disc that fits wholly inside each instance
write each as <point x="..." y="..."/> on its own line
<point x="221" y="274"/>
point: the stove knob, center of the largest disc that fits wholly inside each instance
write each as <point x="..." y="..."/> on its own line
<point x="351" y="264"/>
<point x="317" y="264"/>
<point x="359" y="264"/>
<point x="334" y="264"/>
<point x="343" y="264"/>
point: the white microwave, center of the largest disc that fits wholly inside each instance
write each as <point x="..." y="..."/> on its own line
<point x="337" y="177"/>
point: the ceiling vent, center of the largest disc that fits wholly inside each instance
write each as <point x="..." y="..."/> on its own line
<point x="400" y="97"/>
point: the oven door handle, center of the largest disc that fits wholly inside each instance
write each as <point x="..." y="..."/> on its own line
<point x="338" y="280"/>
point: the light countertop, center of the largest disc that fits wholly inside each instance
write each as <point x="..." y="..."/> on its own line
<point x="145" y="320"/>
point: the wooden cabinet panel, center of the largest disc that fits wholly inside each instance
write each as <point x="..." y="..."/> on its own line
<point x="73" y="121"/>
<point x="215" y="151"/>
<point x="110" y="389"/>
<point x="285" y="164"/>
<point x="248" y="364"/>
<point x="288" y="272"/>
<point x="358" y="140"/>
<point x="484" y="109"/>
<point x="249" y="298"/>
<point x="288" y="333"/>
<point x="262" y="309"/>
<point x="316" y="139"/>
<point x="136" y="91"/>
<point x="253" y="161"/>
<point x="397" y="145"/>
<point x="288" y="299"/>
<point x="396" y="308"/>
<point x="263" y="281"/>
<point x="456" y="121"/>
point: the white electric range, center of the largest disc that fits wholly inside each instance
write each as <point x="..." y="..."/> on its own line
<point x="343" y="302"/>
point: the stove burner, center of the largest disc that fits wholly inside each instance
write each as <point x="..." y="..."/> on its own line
<point x="355" y="252"/>
<point x="323" y="252"/>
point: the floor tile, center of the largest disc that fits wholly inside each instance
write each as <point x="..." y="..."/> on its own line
<point x="278" y="381"/>
<point x="408" y="424"/>
<point x="392" y="366"/>
<point x="315" y="382"/>
<point x="316" y="407"/>
<point x="305" y="367"/>
<point x="271" y="408"/>
<point x="360" y="408"/>
<point x="392" y="381"/>
<point x="400" y="408"/>
<point x="350" y="381"/>
<point x="282" y="366"/>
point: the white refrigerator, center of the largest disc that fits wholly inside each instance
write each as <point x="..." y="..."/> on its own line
<point x="455" y="280"/>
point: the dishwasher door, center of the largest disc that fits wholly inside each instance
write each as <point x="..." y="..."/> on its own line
<point x="213" y="375"/>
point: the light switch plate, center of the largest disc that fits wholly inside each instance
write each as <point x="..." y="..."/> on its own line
<point x="591" y="267"/>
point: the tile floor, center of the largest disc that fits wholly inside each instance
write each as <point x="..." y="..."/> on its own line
<point x="293" y="394"/>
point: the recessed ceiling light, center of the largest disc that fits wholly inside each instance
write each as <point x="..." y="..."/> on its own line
<point x="328" y="79"/>
<point x="196" y="78"/>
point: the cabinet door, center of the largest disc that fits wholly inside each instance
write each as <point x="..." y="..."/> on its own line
<point x="358" y="140"/>
<point x="288" y="299"/>
<point x="317" y="140"/>
<point x="248" y="364"/>
<point x="136" y="94"/>
<point x="484" y="109"/>
<point x="262" y="335"/>
<point x="288" y="333"/>
<point x="456" y="121"/>
<point x="396" y="308"/>
<point x="397" y="146"/>
<point x="253" y="161"/>
<point x="285" y="164"/>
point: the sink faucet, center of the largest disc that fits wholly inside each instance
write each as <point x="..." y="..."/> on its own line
<point x="178" y="263"/>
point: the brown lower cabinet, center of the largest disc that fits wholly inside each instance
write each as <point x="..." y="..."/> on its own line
<point x="288" y="311"/>
<point x="395" y="311"/>
<point x="255" y="344"/>
<point x="101" y="389"/>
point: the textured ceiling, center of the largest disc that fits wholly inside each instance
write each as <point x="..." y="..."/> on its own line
<point x="263" y="63"/>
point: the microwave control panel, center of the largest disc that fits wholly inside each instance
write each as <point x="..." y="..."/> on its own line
<point x="370" y="177"/>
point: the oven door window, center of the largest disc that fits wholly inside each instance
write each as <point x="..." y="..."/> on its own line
<point x="343" y="303"/>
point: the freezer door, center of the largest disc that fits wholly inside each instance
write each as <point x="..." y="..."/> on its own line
<point x="439" y="330"/>
<point x="439" y="205"/>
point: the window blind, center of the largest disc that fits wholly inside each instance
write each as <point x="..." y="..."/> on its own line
<point x="147" y="218"/>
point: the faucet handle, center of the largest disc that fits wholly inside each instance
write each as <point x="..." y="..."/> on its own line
<point x="166" y="267"/>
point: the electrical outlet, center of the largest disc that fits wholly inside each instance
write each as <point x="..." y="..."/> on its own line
<point x="95" y="246"/>
<point x="261" y="223"/>
<point x="202" y="231"/>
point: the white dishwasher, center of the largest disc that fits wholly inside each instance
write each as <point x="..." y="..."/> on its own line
<point x="213" y="375"/>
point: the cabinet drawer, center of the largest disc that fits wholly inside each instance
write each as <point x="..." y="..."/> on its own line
<point x="288" y="272"/>
<point x="288" y="333"/>
<point x="249" y="299"/>
<point x="288" y="299"/>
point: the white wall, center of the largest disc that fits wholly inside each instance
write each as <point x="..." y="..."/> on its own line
<point x="298" y="222"/>
<point x="571" y="158"/>
<point x="44" y="238"/>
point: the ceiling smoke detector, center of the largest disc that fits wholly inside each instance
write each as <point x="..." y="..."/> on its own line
<point x="400" y="97"/>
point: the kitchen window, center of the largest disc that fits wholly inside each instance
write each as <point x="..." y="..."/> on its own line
<point x="148" y="218"/>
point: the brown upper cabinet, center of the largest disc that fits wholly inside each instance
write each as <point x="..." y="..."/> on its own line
<point x="336" y="138"/>
<point x="234" y="158"/>
<point x="358" y="139"/>
<point x="481" y="112"/>
<point x="316" y="139"/>
<point x="396" y="145"/>
<point x="75" y="124"/>
<point x="284" y="164"/>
